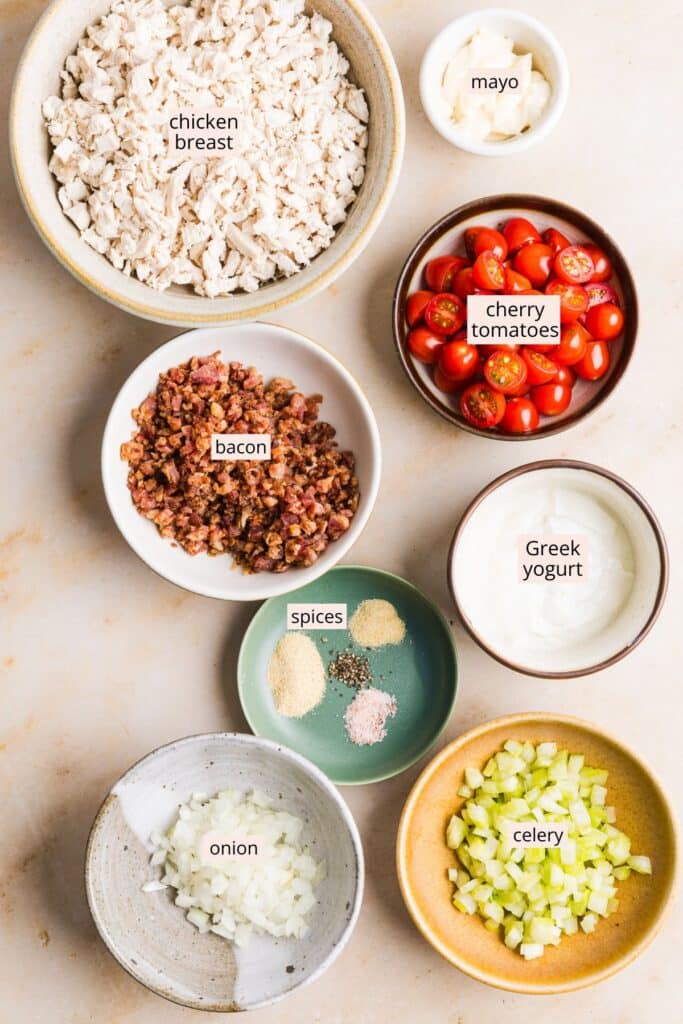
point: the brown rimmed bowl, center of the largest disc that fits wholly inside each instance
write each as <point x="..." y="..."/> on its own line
<point x="643" y="812"/>
<point x="641" y="608"/>
<point x="446" y="238"/>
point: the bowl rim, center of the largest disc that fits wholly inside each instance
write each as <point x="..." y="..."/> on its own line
<point x="434" y="765"/>
<point x="448" y="632"/>
<point x="366" y="504"/>
<point x="153" y="309"/>
<point x="539" y="204"/>
<point x="279" y="750"/>
<point x="558" y="99"/>
<point x="633" y="494"/>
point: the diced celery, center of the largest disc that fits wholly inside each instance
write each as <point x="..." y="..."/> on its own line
<point x="641" y="865"/>
<point x="588" y="923"/>
<point x="473" y="777"/>
<point x="531" y="950"/>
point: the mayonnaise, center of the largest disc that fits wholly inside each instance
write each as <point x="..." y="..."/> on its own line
<point x="507" y="101"/>
<point x="561" y="611"/>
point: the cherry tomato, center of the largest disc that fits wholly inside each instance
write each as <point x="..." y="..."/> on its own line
<point x="518" y="232"/>
<point x="505" y="371"/>
<point x="573" y="265"/>
<point x="440" y="272"/>
<point x="599" y="292"/>
<point x="415" y="306"/>
<point x="488" y="272"/>
<point x="551" y="399"/>
<point x="463" y="284"/>
<point x="595" y="362"/>
<point x="535" y="261"/>
<point x="573" y="299"/>
<point x="515" y="283"/>
<point x="445" y="314"/>
<point x="487" y="350"/>
<point x="565" y="375"/>
<point x="555" y="239"/>
<point x="479" y="239"/>
<point x="540" y="369"/>
<point x="521" y="416"/>
<point x="424" y="344"/>
<point x="445" y="383"/>
<point x="573" y="343"/>
<point x="601" y="262"/>
<point x="605" y="321"/>
<point x="482" y="406"/>
<point x="458" y="361"/>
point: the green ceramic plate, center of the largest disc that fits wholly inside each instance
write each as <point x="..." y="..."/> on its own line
<point x="421" y="673"/>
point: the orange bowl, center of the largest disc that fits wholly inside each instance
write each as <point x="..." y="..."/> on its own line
<point x="643" y="812"/>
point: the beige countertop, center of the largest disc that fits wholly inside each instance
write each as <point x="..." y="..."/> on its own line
<point x="100" y="660"/>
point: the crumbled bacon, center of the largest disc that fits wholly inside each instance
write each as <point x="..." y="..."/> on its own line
<point x="269" y="516"/>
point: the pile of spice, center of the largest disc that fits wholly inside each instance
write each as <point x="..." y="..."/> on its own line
<point x="366" y="716"/>
<point x="376" y="623"/>
<point x="296" y="675"/>
<point x="351" y="669"/>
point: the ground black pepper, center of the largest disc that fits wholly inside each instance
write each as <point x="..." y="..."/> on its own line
<point x="351" y="669"/>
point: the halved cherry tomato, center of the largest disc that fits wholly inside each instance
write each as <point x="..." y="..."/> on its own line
<point x="482" y="406"/>
<point x="605" y="321"/>
<point x="521" y="416"/>
<point x="515" y="283"/>
<point x="595" y="362"/>
<point x="601" y="262"/>
<point x="445" y="383"/>
<point x="479" y="239"/>
<point x="440" y="272"/>
<point x="487" y="350"/>
<point x="551" y="399"/>
<point x="458" y="361"/>
<point x="573" y="343"/>
<point x="445" y="314"/>
<point x="488" y="272"/>
<point x="531" y="291"/>
<point x="535" y="261"/>
<point x="599" y="292"/>
<point x="565" y="375"/>
<point x="415" y="306"/>
<point x="573" y="265"/>
<point x="518" y="232"/>
<point x="424" y="344"/>
<point x="540" y="369"/>
<point x="555" y="239"/>
<point x="505" y="371"/>
<point x="573" y="299"/>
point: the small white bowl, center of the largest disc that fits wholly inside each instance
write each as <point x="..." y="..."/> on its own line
<point x="150" y="936"/>
<point x="276" y="352"/>
<point x="37" y="77"/>
<point x="530" y="36"/>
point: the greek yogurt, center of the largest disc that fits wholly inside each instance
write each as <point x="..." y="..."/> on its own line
<point x="556" y="569"/>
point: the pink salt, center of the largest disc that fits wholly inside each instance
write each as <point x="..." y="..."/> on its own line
<point x="366" y="716"/>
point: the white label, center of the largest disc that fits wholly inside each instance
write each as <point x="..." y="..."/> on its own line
<point x="198" y="133"/>
<point x="498" y="80"/>
<point x="533" y="835"/>
<point x="316" y="616"/>
<point x="217" y="847"/>
<point x="545" y="557"/>
<point x="509" y="319"/>
<point x="236" y="447"/>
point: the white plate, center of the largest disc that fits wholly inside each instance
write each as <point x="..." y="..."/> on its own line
<point x="276" y="352"/>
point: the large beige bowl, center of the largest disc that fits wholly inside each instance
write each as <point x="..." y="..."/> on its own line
<point x="55" y="37"/>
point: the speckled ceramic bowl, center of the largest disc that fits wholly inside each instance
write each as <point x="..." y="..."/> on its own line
<point x="643" y="812"/>
<point x="372" y="67"/>
<point x="150" y="936"/>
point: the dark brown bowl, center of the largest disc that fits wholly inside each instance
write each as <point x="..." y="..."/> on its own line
<point x="445" y="237"/>
<point x="660" y="541"/>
